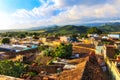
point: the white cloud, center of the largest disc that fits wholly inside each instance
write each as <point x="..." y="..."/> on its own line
<point x="5" y="20"/>
<point x="81" y="14"/>
<point x="71" y="12"/>
<point x="65" y="3"/>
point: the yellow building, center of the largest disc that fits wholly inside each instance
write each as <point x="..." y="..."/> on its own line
<point x="87" y="41"/>
<point x="56" y="43"/>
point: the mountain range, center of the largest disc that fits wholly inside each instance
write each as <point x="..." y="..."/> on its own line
<point x="67" y="29"/>
<point x="105" y="27"/>
<point x="110" y="27"/>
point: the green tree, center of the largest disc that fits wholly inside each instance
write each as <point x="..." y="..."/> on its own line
<point x="49" y="52"/>
<point x="21" y="35"/>
<point x="11" y="68"/>
<point x="5" y="40"/>
<point x="83" y="36"/>
<point x="94" y="30"/>
<point x="63" y="51"/>
<point x="42" y="48"/>
<point x="35" y="37"/>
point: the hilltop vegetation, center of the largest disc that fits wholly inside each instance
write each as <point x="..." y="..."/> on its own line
<point x="71" y="29"/>
<point x="68" y="29"/>
<point x="110" y="27"/>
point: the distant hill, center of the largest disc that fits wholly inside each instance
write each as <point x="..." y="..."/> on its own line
<point x="12" y="30"/>
<point x="42" y="28"/>
<point x="110" y="27"/>
<point x="93" y="24"/>
<point x="68" y="29"/>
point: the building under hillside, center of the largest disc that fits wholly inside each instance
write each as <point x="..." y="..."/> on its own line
<point x="114" y="36"/>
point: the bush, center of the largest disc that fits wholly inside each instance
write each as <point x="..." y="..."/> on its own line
<point x="42" y="48"/>
<point x="11" y="68"/>
<point x="5" y="40"/>
<point x="32" y="73"/>
<point x="49" y="52"/>
<point x="63" y="51"/>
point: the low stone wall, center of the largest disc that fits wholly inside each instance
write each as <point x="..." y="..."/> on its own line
<point x="48" y="68"/>
<point x="74" y="74"/>
<point x="84" y="45"/>
<point x="81" y="50"/>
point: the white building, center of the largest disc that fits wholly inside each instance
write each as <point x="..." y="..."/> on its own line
<point x="64" y="39"/>
<point x="114" y="36"/>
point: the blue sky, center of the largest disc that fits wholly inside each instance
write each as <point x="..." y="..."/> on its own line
<point x="13" y="5"/>
<point x="21" y="14"/>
